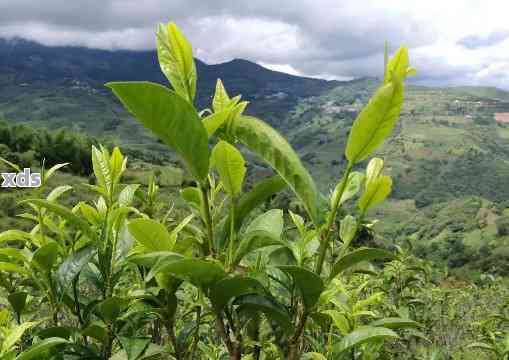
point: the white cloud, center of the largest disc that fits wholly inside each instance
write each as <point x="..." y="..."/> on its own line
<point x="451" y="41"/>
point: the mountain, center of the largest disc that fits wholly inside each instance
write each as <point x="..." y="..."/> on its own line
<point x="449" y="154"/>
<point x="29" y="64"/>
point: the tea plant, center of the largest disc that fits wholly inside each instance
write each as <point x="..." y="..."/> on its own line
<point x="120" y="281"/>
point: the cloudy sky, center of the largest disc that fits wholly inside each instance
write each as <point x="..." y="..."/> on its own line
<point x="452" y="42"/>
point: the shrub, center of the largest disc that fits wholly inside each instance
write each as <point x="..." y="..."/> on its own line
<point x="222" y="278"/>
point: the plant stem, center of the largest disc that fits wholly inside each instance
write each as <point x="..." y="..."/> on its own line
<point x="232" y="233"/>
<point x="173" y="338"/>
<point x="75" y="292"/>
<point x="325" y="238"/>
<point x="109" y="343"/>
<point x="222" y="331"/>
<point x="197" y="332"/>
<point x="208" y="218"/>
<point x="294" y="343"/>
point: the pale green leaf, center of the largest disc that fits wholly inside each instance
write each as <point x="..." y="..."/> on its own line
<point x="363" y="335"/>
<point x="221" y="99"/>
<point x="175" y="56"/>
<point x="397" y="68"/>
<point x="151" y="234"/>
<point x="126" y="196"/>
<point x="347" y="231"/>
<point x="57" y="192"/>
<point x="14" y="235"/>
<point x="49" y="173"/>
<point x="14" y="335"/>
<point x="377" y="192"/>
<point x="374" y="170"/>
<point x="230" y="165"/>
<point x="354" y="184"/>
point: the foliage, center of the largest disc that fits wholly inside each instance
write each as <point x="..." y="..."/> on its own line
<point x="123" y="281"/>
<point x="225" y="273"/>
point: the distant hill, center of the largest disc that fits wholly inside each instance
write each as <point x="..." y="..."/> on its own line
<point x="29" y="64"/>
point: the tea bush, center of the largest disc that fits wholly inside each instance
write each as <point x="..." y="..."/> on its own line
<point x="130" y="277"/>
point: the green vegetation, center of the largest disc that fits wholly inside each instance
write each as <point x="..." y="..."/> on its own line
<point x="232" y="251"/>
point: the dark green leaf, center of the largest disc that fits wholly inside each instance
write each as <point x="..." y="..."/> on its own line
<point x="55" y="331"/>
<point x="262" y="191"/>
<point x="46" y="256"/>
<point x="201" y="273"/>
<point x="309" y="284"/>
<point x="72" y="266"/>
<point x="396" y="323"/>
<point x="267" y="305"/>
<point x="96" y="331"/>
<point x="226" y="289"/>
<point x="18" y="301"/>
<point x="38" y="350"/>
<point x="134" y="347"/>
<point x="111" y="308"/>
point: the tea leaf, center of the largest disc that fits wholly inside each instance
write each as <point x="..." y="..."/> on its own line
<point x="309" y="284"/>
<point x="152" y="235"/>
<point x="175" y="56"/>
<point x="231" y="166"/>
<point x="396" y="323"/>
<point x="269" y="306"/>
<point x="267" y="143"/>
<point x="39" y="349"/>
<point x="377" y="191"/>
<point x="363" y="335"/>
<point x="72" y="266"/>
<point x="225" y="290"/>
<point x="357" y="256"/>
<point x="171" y="118"/>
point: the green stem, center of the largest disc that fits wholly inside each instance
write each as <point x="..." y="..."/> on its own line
<point x="232" y="233"/>
<point x="208" y="218"/>
<point x="329" y="342"/>
<point x="325" y="238"/>
<point x="41" y="226"/>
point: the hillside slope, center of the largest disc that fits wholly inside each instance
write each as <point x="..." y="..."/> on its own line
<point x="449" y="154"/>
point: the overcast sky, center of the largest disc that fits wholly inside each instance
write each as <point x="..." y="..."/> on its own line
<point x="452" y="42"/>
